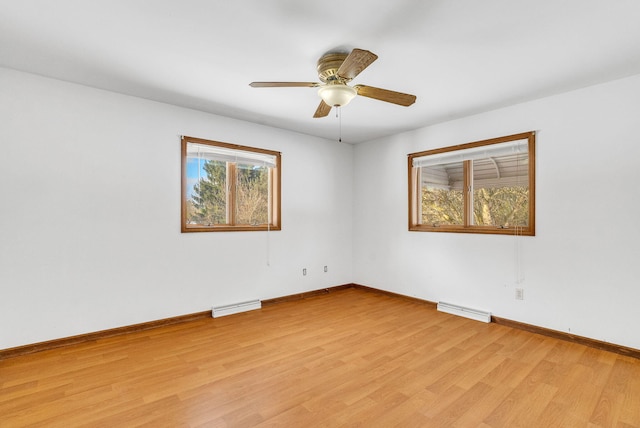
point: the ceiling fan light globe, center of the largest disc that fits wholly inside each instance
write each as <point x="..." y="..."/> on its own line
<point x="337" y="95"/>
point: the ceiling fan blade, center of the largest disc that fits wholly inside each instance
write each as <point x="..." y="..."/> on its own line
<point x="284" y="84"/>
<point x="386" y="95"/>
<point x="322" y="110"/>
<point x="357" y="61"/>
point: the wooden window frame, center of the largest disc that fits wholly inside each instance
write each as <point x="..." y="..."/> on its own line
<point x="231" y="226"/>
<point x="467" y="227"/>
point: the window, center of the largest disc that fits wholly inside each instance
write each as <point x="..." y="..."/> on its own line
<point x="481" y="187"/>
<point x="226" y="187"/>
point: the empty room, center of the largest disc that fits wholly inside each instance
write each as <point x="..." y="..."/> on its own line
<point x="288" y="213"/>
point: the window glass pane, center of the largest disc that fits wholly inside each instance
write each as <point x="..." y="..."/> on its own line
<point x="441" y="193"/>
<point x="501" y="191"/>
<point x="228" y="187"/>
<point x="252" y="194"/>
<point x="485" y="187"/>
<point x="207" y="198"/>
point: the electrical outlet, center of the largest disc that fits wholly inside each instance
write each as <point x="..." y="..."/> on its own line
<point x="519" y="293"/>
<point x="325" y="269"/>
<point x="304" y="271"/>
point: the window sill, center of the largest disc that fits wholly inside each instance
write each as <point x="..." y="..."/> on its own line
<point x="485" y="230"/>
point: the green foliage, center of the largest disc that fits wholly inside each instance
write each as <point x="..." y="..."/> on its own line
<point x="208" y="204"/>
<point x="209" y="199"/>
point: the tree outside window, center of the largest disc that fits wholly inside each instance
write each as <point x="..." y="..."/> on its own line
<point x="229" y="187"/>
<point x="482" y="187"/>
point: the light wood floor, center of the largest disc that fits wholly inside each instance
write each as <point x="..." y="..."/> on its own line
<point x="350" y="358"/>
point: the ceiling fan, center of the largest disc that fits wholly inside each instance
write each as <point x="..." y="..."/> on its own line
<point x="335" y="70"/>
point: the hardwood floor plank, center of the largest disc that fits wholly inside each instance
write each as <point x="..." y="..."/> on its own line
<point x="348" y="358"/>
<point x="630" y="413"/>
<point x="482" y="407"/>
<point x="453" y="412"/>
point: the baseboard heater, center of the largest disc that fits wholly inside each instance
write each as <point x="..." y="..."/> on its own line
<point x="474" y="314"/>
<point x="234" y="308"/>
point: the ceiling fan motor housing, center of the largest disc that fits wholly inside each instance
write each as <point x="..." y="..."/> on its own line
<point x="328" y="67"/>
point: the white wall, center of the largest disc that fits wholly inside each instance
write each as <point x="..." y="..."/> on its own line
<point x="582" y="269"/>
<point x="90" y="219"/>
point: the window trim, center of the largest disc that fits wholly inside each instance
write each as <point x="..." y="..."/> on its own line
<point x="275" y="190"/>
<point x="414" y="185"/>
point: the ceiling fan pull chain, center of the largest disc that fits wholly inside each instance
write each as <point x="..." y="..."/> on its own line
<point x="339" y="116"/>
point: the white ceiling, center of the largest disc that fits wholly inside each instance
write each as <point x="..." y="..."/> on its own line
<point x="458" y="57"/>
